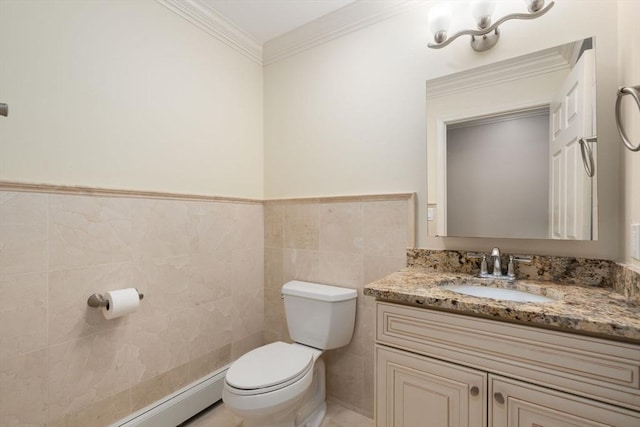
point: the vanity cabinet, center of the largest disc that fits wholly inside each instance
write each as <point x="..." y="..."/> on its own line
<point x="438" y="369"/>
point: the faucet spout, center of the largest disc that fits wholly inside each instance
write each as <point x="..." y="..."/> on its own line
<point x="497" y="266"/>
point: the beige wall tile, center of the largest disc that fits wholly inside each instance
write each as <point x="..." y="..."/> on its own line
<point x="24" y="248"/>
<point x="209" y="327"/>
<point x="376" y="267"/>
<point x="23" y="208"/>
<point x="298" y="264"/>
<point x="248" y="293"/>
<point x="341" y="227"/>
<point x="85" y="231"/>
<point x="69" y="315"/>
<point x="23" y="313"/>
<point x="342" y="269"/>
<point x="385" y="228"/>
<point x="344" y="378"/>
<point x="210" y="362"/>
<point x="214" y="226"/>
<point x="23" y="232"/>
<point x="163" y="228"/>
<point x="147" y="392"/>
<point x="273" y="225"/>
<point x="209" y="277"/>
<point x="101" y="413"/>
<point x="200" y="265"/>
<point x="274" y="316"/>
<point x="165" y="284"/>
<point x="301" y="226"/>
<point x="273" y="275"/>
<point x="249" y="226"/>
<point x="23" y="389"/>
<point x="246" y="344"/>
<point x="84" y="371"/>
<point x="160" y="344"/>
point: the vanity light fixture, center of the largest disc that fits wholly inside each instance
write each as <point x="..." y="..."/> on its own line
<point x="487" y="34"/>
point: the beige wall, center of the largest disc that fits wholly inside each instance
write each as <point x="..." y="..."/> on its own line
<point x="344" y="243"/>
<point x="629" y="73"/>
<point x="123" y="94"/>
<point x="126" y="94"/>
<point x="348" y="117"/>
<point x="199" y="264"/>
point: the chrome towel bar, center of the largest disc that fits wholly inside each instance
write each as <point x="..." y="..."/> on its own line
<point x="634" y="91"/>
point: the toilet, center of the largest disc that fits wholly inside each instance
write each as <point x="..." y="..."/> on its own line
<point x="281" y="384"/>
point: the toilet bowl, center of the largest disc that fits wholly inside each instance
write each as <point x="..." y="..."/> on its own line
<point x="281" y="384"/>
<point x="267" y="385"/>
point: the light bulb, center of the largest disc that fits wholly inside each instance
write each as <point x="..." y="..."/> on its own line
<point x="534" y="5"/>
<point x="481" y="10"/>
<point x="439" y="18"/>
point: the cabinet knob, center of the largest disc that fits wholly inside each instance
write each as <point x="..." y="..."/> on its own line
<point x="474" y="391"/>
<point x="499" y="397"/>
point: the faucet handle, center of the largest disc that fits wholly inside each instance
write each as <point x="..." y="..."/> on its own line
<point x="516" y="258"/>
<point x="484" y="270"/>
<point x="510" y="269"/>
<point x="522" y="258"/>
<point x="475" y="255"/>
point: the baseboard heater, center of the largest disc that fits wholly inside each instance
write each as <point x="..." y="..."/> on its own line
<point x="179" y="406"/>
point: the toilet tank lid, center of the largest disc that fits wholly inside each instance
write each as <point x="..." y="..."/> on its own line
<point x="317" y="291"/>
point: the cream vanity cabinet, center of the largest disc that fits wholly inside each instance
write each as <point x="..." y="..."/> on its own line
<point x="438" y="369"/>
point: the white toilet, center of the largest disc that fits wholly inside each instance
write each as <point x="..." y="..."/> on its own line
<point x="283" y="385"/>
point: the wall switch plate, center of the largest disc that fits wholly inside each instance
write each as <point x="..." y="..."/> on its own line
<point x="635" y="241"/>
<point x="430" y="214"/>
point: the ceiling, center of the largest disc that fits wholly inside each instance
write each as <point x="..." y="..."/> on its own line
<point x="267" y="19"/>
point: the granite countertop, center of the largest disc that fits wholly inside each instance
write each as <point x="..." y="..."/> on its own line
<point x="579" y="309"/>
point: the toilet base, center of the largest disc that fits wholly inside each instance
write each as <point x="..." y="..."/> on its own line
<point x="311" y="411"/>
<point x="314" y="407"/>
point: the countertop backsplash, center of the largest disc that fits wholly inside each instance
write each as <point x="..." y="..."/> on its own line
<point x="623" y="278"/>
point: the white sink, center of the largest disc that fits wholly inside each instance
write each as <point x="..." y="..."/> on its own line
<point x="496" y="293"/>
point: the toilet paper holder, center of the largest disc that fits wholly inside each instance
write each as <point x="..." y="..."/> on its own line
<point x="97" y="300"/>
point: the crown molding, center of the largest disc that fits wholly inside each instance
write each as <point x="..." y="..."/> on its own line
<point x="215" y="24"/>
<point x="348" y="19"/>
<point x="522" y="67"/>
<point x="343" y="21"/>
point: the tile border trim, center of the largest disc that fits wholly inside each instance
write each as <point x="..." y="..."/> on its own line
<point x="115" y="192"/>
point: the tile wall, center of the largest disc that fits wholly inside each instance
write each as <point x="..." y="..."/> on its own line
<point x="200" y="265"/>
<point x="345" y="242"/>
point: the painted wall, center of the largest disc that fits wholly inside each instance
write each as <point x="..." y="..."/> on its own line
<point x="629" y="74"/>
<point x="348" y="117"/>
<point x="126" y="94"/>
<point x="498" y="179"/>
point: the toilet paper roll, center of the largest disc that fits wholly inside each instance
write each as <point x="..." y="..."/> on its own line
<point x="121" y="302"/>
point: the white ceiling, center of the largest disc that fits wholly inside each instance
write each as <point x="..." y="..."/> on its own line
<point x="267" y="19"/>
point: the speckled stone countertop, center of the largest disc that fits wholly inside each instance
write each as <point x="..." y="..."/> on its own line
<point x="580" y="309"/>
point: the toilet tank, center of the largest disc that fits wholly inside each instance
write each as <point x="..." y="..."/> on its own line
<point x="319" y="316"/>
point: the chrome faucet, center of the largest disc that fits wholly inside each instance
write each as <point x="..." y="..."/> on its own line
<point x="497" y="266"/>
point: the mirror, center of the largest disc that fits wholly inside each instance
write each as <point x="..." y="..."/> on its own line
<point x="512" y="148"/>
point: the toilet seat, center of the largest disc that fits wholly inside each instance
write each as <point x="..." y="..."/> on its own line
<point x="268" y="368"/>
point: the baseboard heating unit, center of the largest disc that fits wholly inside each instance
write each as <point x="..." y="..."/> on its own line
<point x="179" y="406"/>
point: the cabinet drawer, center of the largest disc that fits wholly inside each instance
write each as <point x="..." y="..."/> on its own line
<point x="518" y="404"/>
<point x="591" y="367"/>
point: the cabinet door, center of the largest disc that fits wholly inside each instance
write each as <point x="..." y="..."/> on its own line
<point x="519" y="404"/>
<point x="415" y="391"/>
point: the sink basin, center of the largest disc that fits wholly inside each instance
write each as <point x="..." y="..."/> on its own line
<point x="497" y="293"/>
